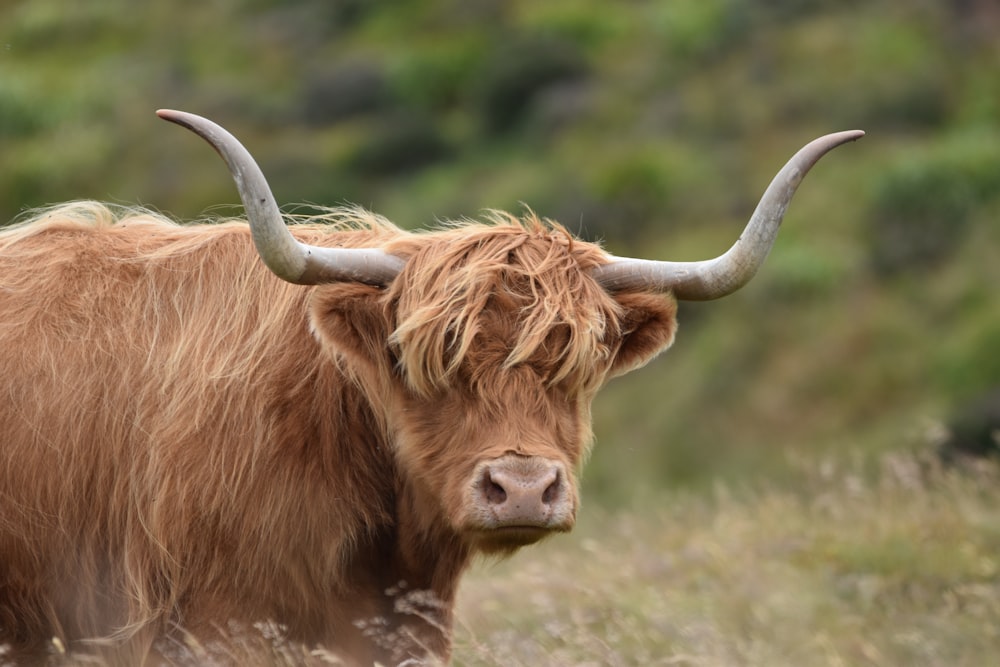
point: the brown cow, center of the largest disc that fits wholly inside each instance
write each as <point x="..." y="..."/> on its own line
<point x="193" y="448"/>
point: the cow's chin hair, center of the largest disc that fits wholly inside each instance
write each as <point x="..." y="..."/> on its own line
<point x="505" y="541"/>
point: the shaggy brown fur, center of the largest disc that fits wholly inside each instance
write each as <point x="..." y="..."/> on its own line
<point x="189" y="444"/>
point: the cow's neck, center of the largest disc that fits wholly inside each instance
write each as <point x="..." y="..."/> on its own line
<point x="416" y="574"/>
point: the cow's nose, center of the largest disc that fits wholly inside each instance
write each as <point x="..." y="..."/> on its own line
<point x="520" y="491"/>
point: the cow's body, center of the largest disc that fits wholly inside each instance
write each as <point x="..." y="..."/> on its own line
<point x="189" y="443"/>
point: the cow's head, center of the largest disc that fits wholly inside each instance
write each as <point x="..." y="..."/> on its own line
<point x="482" y="346"/>
<point x="490" y="344"/>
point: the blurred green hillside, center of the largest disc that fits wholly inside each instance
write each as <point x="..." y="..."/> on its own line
<point x="654" y="126"/>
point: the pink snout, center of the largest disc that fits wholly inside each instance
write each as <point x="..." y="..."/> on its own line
<point x="523" y="492"/>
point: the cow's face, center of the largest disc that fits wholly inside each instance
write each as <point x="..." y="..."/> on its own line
<point x="484" y="356"/>
<point x="499" y="464"/>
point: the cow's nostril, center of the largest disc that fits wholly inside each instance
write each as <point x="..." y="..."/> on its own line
<point x="551" y="493"/>
<point x="495" y="494"/>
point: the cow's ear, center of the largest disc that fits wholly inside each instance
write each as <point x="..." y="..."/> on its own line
<point x="648" y="324"/>
<point x="349" y="320"/>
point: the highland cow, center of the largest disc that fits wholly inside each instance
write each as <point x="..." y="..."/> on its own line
<point x="314" y="438"/>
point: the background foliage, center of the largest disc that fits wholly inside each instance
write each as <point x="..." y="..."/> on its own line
<point x="786" y="433"/>
<point x="654" y="126"/>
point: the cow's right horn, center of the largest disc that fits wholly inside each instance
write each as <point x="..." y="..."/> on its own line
<point x="715" y="278"/>
<point x="281" y="252"/>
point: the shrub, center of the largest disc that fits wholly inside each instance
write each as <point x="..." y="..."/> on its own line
<point x="517" y="71"/>
<point x="434" y="77"/>
<point x="18" y="115"/>
<point x="350" y="89"/>
<point x="922" y="205"/>
<point x="399" y="143"/>
<point x="631" y="192"/>
<point x="974" y="428"/>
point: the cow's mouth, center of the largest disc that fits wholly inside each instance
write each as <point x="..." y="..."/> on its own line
<point x="505" y="539"/>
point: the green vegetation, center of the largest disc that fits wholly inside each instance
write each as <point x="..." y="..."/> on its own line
<point x="654" y="126"/>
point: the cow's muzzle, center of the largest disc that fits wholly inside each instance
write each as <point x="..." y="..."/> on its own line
<point x="519" y="499"/>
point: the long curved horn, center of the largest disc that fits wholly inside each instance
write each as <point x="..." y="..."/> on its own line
<point x="715" y="278"/>
<point x="281" y="252"/>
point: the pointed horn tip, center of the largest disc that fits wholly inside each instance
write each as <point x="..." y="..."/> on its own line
<point x="182" y="118"/>
<point x="169" y="114"/>
<point x="838" y="138"/>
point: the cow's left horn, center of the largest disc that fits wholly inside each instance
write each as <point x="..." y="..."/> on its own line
<point x="288" y="258"/>
<point x="714" y="278"/>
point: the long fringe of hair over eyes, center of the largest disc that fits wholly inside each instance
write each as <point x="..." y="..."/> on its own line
<point x="443" y="304"/>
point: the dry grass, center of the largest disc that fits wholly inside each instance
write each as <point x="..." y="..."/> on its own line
<point x="892" y="568"/>
<point x="851" y="567"/>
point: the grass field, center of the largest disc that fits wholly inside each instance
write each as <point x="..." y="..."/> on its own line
<point x="894" y="566"/>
